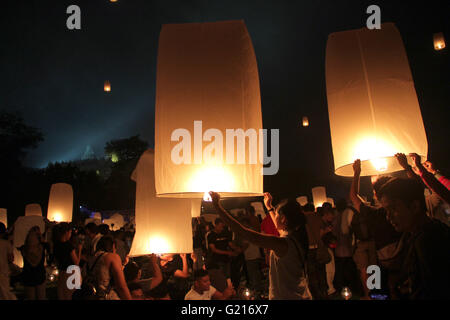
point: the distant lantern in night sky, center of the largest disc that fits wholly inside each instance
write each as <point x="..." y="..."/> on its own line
<point x="60" y="203"/>
<point x="439" y="41"/>
<point x="107" y="86"/>
<point x="33" y="209"/>
<point x="207" y="74"/>
<point x="303" y="200"/>
<point x="319" y="195"/>
<point x="372" y="103"/>
<point x="162" y="225"/>
<point x="4" y="216"/>
<point x="305" y="122"/>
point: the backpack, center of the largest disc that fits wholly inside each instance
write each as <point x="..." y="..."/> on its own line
<point x="89" y="288"/>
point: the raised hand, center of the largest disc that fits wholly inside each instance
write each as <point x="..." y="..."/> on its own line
<point x="402" y="160"/>
<point x="215" y="197"/>
<point x="268" y="200"/>
<point x="416" y="159"/>
<point x="357" y="167"/>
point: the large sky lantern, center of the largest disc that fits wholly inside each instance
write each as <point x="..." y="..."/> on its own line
<point x="196" y="207"/>
<point x="33" y="209"/>
<point x="439" y="41"/>
<point x="60" y="203"/>
<point x="207" y="82"/>
<point x="4" y="216"/>
<point x="372" y="103"/>
<point x="319" y="195"/>
<point x="22" y="225"/>
<point x="162" y="225"/>
<point x="302" y="200"/>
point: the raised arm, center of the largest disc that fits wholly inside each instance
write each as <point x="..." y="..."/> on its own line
<point x="182" y="273"/>
<point x="354" y="189"/>
<point x="279" y="245"/>
<point x="157" y="277"/>
<point x="118" y="276"/>
<point x="401" y="158"/>
<point x="430" y="180"/>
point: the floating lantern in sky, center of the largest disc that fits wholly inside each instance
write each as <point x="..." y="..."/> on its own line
<point x="207" y="79"/>
<point x="319" y="195"/>
<point x="303" y="200"/>
<point x="162" y="225"/>
<point x="107" y="86"/>
<point x="439" y="41"/>
<point x="305" y="122"/>
<point x="372" y="104"/>
<point x="4" y="216"/>
<point x="33" y="209"/>
<point x="60" y="203"/>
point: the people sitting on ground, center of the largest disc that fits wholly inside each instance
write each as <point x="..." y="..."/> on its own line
<point x="203" y="290"/>
<point x="288" y="256"/>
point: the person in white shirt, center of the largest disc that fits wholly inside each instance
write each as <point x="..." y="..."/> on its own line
<point x="203" y="290"/>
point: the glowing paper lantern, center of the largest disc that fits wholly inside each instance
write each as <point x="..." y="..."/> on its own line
<point x="98" y="216"/>
<point x="439" y="41"/>
<point x="22" y="225"/>
<point x="303" y="200"/>
<point x="305" y="122"/>
<point x="33" y="209"/>
<point x="196" y="207"/>
<point x="207" y="74"/>
<point x="372" y="103"/>
<point x="4" y="216"/>
<point x="115" y="222"/>
<point x="331" y="201"/>
<point x="319" y="195"/>
<point x="107" y="86"/>
<point x="162" y="225"/>
<point x="60" y="203"/>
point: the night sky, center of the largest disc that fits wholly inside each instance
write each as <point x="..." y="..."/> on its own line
<point x="54" y="76"/>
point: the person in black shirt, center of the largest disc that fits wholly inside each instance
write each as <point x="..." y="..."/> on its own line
<point x="427" y="264"/>
<point x="34" y="274"/>
<point x="175" y="274"/>
<point x="65" y="255"/>
<point x="221" y="248"/>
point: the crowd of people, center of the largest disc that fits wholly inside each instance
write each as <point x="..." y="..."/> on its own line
<point x="295" y="253"/>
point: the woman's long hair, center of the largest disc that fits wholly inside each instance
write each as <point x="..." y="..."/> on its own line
<point x="296" y="222"/>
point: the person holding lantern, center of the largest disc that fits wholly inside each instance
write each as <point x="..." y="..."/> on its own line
<point x="426" y="266"/>
<point x="287" y="275"/>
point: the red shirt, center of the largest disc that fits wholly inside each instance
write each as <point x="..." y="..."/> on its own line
<point x="268" y="227"/>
